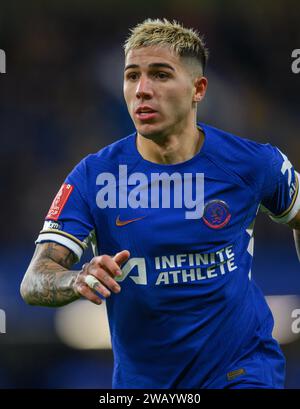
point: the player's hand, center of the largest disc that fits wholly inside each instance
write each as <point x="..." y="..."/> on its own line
<point x="99" y="275"/>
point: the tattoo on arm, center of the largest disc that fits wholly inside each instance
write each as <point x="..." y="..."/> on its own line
<point x="48" y="280"/>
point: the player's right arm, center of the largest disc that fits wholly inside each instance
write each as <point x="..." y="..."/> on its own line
<point x="49" y="280"/>
<point x="68" y="229"/>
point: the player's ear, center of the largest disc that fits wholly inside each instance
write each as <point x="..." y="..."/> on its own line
<point x="200" y="86"/>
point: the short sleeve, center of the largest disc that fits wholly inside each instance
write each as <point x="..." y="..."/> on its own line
<point x="69" y="221"/>
<point x="280" y="196"/>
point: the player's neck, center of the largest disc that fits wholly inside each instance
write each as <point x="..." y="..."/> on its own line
<point x="171" y="149"/>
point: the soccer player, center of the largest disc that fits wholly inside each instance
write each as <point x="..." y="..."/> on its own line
<point x="170" y="212"/>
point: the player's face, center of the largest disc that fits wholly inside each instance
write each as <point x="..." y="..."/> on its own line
<point x="159" y="90"/>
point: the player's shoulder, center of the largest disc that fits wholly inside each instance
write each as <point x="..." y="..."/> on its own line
<point x="121" y="149"/>
<point x="110" y="156"/>
<point x="239" y="156"/>
<point x="229" y="145"/>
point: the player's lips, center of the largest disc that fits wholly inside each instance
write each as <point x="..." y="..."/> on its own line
<point x="145" y="112"/>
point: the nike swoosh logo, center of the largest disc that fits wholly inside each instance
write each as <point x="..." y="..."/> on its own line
<point x="120" y="223"/>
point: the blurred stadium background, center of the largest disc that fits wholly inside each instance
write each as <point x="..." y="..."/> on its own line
<point x="62" y="99"/>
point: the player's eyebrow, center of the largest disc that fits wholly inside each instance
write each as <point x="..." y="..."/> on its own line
<point x="153" y="65"/>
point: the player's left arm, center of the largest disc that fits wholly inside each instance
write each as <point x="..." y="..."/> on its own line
<point x="295" y="225"/>
<point x="281" y="191"/>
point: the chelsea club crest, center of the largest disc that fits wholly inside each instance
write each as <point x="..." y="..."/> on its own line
<point x="216" y="214"/>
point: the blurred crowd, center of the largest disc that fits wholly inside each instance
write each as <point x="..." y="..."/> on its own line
<point x="62" y="95"/>
<point x="61" y="98"/>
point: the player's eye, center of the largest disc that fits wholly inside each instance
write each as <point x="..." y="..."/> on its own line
<point x="132" y="76"/>
<point x="161" y="75"/>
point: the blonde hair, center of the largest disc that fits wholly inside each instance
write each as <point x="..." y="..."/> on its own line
<point x="185" y="42"/>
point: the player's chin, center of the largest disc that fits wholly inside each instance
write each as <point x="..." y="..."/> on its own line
<point x="149" y="130"/>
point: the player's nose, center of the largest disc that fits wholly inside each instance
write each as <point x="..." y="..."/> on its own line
<point x="144" y="88"/>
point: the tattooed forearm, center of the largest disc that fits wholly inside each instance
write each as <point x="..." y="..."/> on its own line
<point x="49" y="288"/>
<point x="48" y="280"/>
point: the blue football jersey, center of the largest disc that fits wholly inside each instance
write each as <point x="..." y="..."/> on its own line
<point x="188" y="310"/>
